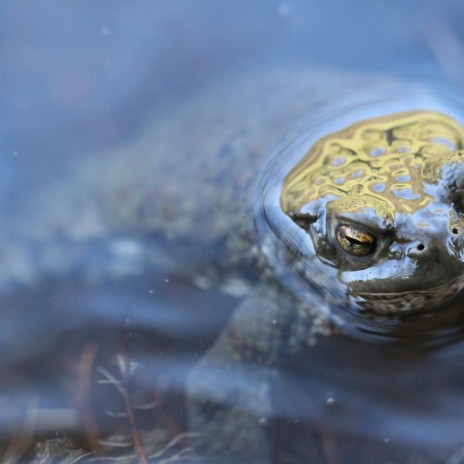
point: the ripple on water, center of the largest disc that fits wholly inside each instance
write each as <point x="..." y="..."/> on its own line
<point x="292" y="251"/>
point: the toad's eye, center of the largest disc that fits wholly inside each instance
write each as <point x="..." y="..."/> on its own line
<point x="355" y="242"/>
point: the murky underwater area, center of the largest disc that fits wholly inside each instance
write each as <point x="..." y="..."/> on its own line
<point x="135" y="138"/>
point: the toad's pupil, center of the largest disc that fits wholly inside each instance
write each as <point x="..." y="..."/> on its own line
<point x="355" y="241"/>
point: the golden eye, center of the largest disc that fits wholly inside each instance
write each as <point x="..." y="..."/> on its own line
<point x="356" y="242"/>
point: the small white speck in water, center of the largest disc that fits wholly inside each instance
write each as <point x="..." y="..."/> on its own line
<point x="104" y="31"/>
<point x="15" y="153"/>
<point x="386" y="440"/>
<point x="263" y="421"/>
<point x="330" y="400"/>
<point x="151" y="291"/>
<point x="274" y="321"/>
<point x="166" y="281"/>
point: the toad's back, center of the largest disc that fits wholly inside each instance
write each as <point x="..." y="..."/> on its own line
<point x="389" y="158"/>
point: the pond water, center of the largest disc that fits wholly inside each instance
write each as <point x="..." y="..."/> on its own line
<point x="133" y="139"/>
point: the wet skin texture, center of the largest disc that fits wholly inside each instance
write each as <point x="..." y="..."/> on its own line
<point x="376" y="210"/>
<point x="382" y="203"/>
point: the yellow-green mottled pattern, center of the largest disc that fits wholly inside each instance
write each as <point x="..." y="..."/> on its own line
<point x="386" y="159"/>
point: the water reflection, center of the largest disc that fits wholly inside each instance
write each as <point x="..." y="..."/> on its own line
<point x="272" y="345"/>
<point x="130" y="137"/>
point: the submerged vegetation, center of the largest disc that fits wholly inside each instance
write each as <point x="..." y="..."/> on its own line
<point x="110" y="418"/>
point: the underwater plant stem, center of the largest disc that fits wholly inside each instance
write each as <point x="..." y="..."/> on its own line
<point x="83" y="394"/>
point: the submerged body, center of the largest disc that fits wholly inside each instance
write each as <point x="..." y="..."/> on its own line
<point x="192" y="196"/>
<point x="368" y="223"/>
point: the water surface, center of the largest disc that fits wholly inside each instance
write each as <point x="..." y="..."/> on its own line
<point x="82" y="80"/>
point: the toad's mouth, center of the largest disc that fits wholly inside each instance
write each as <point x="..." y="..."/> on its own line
<point x="395" y="304"/>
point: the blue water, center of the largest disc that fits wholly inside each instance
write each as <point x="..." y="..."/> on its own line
<point x="82" y="78"/>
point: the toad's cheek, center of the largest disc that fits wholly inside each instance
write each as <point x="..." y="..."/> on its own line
<point x="394" y="288"/>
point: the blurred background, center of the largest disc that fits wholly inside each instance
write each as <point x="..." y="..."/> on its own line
<point x="79" y="77"/>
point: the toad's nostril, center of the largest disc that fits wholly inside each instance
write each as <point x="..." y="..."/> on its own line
<point x="455" y="230"/>
<point x="416" y="250"/>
